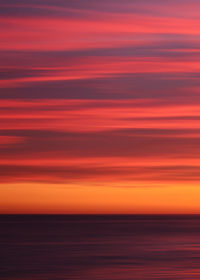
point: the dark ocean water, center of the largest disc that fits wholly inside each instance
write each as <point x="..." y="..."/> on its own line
<point x="99" y="247"/>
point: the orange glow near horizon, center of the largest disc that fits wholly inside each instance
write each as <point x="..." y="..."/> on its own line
<point x="91" y="199"/>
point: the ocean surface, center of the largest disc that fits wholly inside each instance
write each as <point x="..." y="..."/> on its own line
<point x="99" y="247"/>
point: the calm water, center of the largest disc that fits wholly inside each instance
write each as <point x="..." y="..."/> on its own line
<point x="99" y="247"/>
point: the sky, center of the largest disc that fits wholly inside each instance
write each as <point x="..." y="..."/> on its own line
<point x="99" y="106"/>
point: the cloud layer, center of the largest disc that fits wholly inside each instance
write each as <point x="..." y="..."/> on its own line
<point x="99" y="94"/>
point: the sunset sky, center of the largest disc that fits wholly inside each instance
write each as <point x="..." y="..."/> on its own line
<point x="99" y="106"/>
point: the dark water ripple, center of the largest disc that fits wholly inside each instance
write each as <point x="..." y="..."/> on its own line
<point x="99" y="247"/>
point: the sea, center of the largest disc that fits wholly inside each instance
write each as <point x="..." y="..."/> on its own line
<point x="106" y="247"/>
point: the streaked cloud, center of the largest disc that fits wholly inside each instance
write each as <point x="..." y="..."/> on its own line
<point x="100" y="94"/>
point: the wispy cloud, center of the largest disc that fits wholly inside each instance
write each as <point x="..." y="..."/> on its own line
<point x="100" y="93"/>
